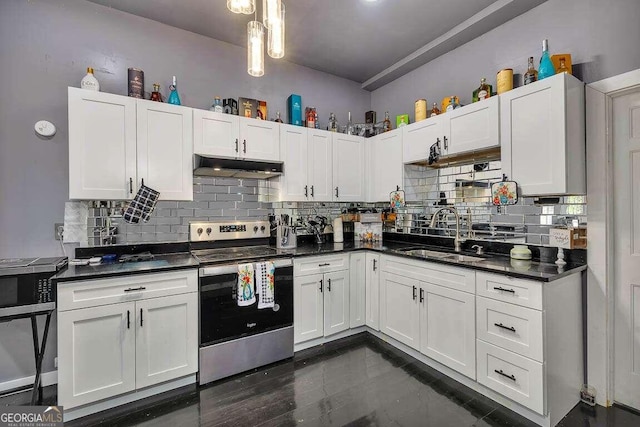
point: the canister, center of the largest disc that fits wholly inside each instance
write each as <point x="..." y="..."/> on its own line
<point x="136" y="83"/>
<point x="505" y="80"/>
<point x="421" y="109"/>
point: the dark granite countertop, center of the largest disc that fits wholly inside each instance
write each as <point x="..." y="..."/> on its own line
<point x="160" y="263"/>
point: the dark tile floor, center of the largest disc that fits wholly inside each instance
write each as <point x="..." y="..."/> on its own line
<point x="357" y="381"/>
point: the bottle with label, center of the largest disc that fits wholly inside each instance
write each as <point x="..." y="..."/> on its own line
<point x="386" y="124"/>
<point x="484" y="91"/>
<point x="316" y="121"/>
<point x="546" y="68"/>
<point x="350" y="128"/>
<point x="156" y="95"/>
<point x="89" y="81"/>
<point x="174" y="98"/>
<point x="531" y="75"/>
<point x="332" y="126"/>
<point x="435" y="110"/>
<point x="278" y="119"/>
<point x="311" y="118"/>
<point x="562" y="68"/>
<point x="217" y="105"/>
<point x="453" y="104"/>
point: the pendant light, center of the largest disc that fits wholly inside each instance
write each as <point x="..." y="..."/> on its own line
<point x="271" y="12"/>
<point x="275" y="42"/>
<point x="255" y="49"/>
<point x="246" y="7"/>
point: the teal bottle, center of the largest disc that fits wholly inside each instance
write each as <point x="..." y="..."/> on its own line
<point x="546" y="66"/>
<point x="174" y="98"/>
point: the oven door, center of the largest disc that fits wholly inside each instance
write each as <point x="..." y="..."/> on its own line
<point x="221" y="319"/>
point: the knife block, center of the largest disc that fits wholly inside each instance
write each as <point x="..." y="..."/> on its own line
<point x="286" y="237"/>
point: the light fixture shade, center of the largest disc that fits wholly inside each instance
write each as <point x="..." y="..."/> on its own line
<point x="275" y="42"/>
<point x="255" y="49"/>
<point x="246" y="7"/>
<point x="271" y="12"/>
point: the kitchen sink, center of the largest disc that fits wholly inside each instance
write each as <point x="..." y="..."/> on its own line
<point x="463" y="258"/>
<point x="426" y="253"/>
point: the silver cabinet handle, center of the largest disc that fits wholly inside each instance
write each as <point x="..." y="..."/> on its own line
<point x="446" y="142"/>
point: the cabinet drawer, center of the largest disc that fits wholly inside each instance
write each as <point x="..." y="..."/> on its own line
<point x="516" y="377"/>
<point x="462" y="279"/>
<point x="527" y="293"/>
<point x="509" y="326"/>
<point x="320" y="265"/>
<point x="92" y="293"/>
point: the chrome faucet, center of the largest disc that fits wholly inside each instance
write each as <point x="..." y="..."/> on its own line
<point x="457" y="242"/>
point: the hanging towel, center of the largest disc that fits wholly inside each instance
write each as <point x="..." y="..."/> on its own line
<point x="246" y="294"/>
<point x="265" y="284"/>
<point x="142" y="205"/>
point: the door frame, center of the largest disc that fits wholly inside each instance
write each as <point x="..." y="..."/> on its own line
<point x="600" y="274"/>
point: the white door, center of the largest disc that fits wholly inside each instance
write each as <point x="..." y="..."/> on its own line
<point x="472" y="127"/>
<point x="165" y="149"/>
<point x="386" y="166"/>
<point x="102" y="145"/>
<point x="448" y="327"/>
<point x="308" y="307"/>
<point x="166" y="338"/>
<point x="295" y="154"/>
<point x="320" y="166"/>
<point x="259" y="139"/>
<point x="372" y="293"/>
<point x="348" y="168"/>
<point x="96" y="353"/>
<point x="215" y="134"/>
<point x="399" y="309"/>
<point x="357" y="285"/>
<point x="336" y="302"/>
<point x="626" y="140"/>
<point x="417" y="139"/>
<point x="533" y="124"/>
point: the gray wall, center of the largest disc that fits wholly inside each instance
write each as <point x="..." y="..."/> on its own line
<point x="601" y="36"/>
<point x="46" y="46"/>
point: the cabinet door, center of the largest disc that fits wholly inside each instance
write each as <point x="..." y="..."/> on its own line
<point x="372" y="308"/>
<point x="472" y="127"/>
<point x="533" y="124"/>
<point x="348" y="168"/>
<point x="96" y="353"/>
<point x="215" y="134"/>
<point x="165" y="149"/>
<point x="295" y="154"/>
<point x="102" y="145"/>
<point x="259" y="139"/>
<point x="399" y="309"/>
<point x="320" y="166"/>
<point x="357" y="285"/>
<point x="385" y="173"/>
<point x="308" y="307"/>
<point x="336" y="302"/>
<point x="417" y="139"/>
<point x="447" y="327"/>
<point x="166" y="338"/>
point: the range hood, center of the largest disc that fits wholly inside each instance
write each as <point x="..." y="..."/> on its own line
<point x="232" y="168"/>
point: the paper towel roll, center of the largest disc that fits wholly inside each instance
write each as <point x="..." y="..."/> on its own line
<point x="338" y="236"/>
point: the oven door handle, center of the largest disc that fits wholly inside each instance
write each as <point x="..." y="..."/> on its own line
<point x="233" y="268"/>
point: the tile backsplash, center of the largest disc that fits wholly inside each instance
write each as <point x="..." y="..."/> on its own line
<point x="465" y="187"/>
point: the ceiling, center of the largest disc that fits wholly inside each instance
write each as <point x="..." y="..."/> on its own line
<point x="370" y="42"/>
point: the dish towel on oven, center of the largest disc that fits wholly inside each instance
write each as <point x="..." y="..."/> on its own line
<point x="246" y="294"/>
<point x="265" y="284"/>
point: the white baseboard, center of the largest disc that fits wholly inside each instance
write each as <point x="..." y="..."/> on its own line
<point x="324" y="340"/>
<point x="47" y="378"/>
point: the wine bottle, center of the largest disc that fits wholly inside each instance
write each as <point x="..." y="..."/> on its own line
<point x="386" y="125"/>
<point x="531" y="75"/>
<point x="546" y="68"/>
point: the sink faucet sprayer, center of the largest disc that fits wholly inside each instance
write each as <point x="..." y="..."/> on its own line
<point x="457" y="242"/>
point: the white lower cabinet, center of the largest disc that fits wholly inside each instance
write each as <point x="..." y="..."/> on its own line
<point x="358" y="289"/>
<point x="308" y="307"/>
<point x="399" y="309"/>
<point x="110" y="349"/>
<point x="336" y="302"/>
<point x="372" y="291"/>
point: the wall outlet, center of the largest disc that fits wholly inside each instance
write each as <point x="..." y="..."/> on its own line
<point x="58" y="230"/>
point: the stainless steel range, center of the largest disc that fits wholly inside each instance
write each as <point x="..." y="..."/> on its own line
<point x="237" y="336"/>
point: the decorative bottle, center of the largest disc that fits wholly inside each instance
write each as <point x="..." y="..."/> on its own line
<point x="89" y="81"/>
<point x="484" y="91"/>
<point x="217" y="105"/>
<point x="435" y="110"/>
<point x="386" y="124"/>
<point x="278" y="119"/>
<point x="332" y="126"/>
<point x="350" y="128"/>
<point x="174" y="98"/>
<point x="546" y="68"/>
<point x="562" y="67"/>
<point x="156" y="95"/>
<point x="531" y="75"/>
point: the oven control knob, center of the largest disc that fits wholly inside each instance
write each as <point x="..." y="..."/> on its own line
<point x="209" y="230"/>
<point x="255" y="229"/>
<point x="199" y="230"/>
<point x="262" y="228"/>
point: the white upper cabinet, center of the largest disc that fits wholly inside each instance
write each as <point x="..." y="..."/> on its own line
<point x="294" y="150"/>
<point x="216" y="134"/>
<point x="542" y="128"/>
<point x="417" y="138"/>
<point x="473" y="127"/>
<point x="348" y="168"/>
<point x="165" y="149"/>
<point x="384" y="168"/>
<point x="102" y="145"/>
<point x="320" y="166"/>
<point x="259" y="140"/>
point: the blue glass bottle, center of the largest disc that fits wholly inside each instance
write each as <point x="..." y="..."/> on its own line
<point x="546" y="66"/>
<point x="174" y="98"/>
